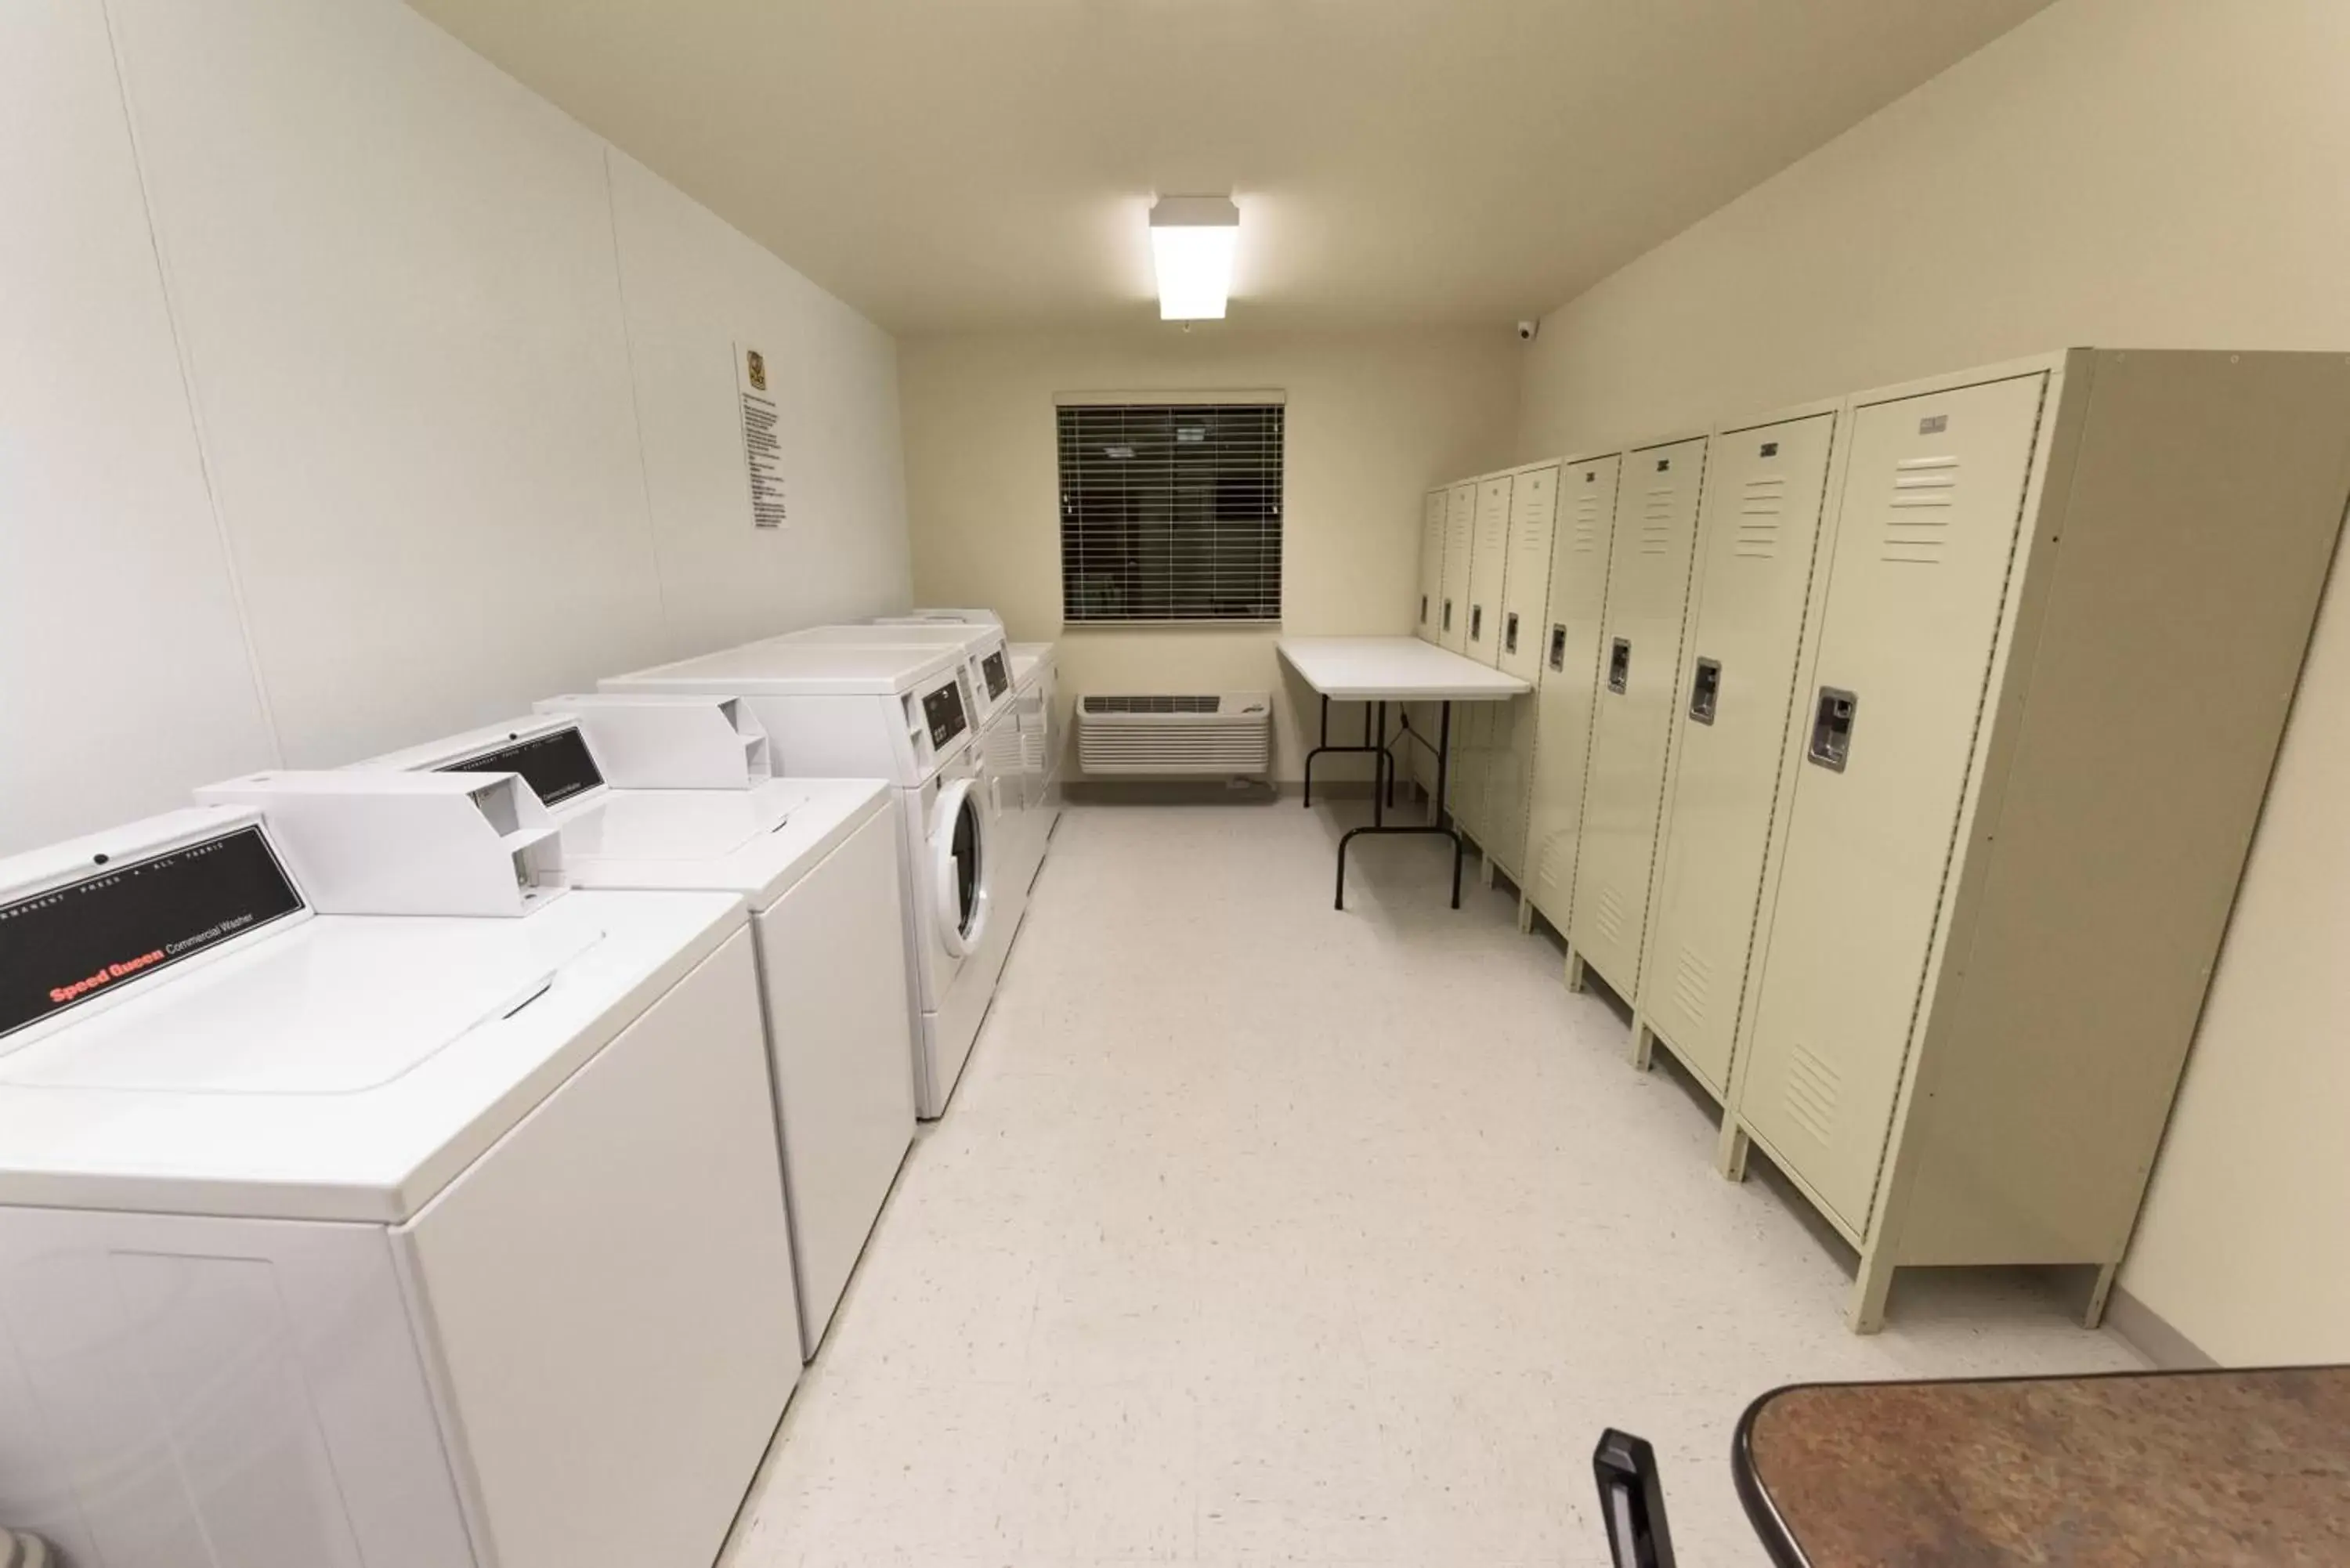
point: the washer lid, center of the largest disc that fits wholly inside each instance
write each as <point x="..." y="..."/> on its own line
<point x="330" y="1007"/>
<point x="760" y="842"/>
<point x="346" y="1069"/>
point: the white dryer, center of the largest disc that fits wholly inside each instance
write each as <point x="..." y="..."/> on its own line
<point x="1036" y="700"/>
<point x="996" y="740"/>
<point x="985" y="652"/>
<point x="676" y="792"/>
<point x="366" y="1196"/>
<point x="1033" y="751"/>
<point x="903" y="713"/>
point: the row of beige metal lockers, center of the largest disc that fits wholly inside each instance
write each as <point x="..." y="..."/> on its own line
<point x="1896" y="760"/>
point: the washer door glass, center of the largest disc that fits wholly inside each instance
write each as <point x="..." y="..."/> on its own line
<point x="959" y="843"/>
<point x="966" y="857"/>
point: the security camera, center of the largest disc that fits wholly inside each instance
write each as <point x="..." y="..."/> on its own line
<point x="1526" y="330"/>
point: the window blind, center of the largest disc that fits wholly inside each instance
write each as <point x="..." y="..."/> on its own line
<point x="1170" y="511"/>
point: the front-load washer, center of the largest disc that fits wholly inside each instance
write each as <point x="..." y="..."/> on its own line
<point x="904" y="714"/>
<point x="1036" y="754"/>
<point x="996" y="736"/>
<point x="366" y="1196"/>
<point x="678" y="792"/>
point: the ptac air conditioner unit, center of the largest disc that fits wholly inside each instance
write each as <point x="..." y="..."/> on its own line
<point x="1163" y="736"/>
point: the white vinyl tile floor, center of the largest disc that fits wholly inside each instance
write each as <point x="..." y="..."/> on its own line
<point x="1261" y="1233"/>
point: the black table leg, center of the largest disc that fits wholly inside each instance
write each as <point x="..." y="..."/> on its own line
<point x="1378" y="822"/>
<point x="1383" y="760"/>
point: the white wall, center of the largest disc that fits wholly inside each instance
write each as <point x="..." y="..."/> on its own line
<point x="354" y="395"/>
<point x="692" y="287"/>
<point x="2155" y="172"/>
<point x="1373" y="420"/>
<point x="123" y="676"/>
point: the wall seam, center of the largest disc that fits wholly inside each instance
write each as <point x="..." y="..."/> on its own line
<point x="672" y="635"/>
<point x="183" y="357"/>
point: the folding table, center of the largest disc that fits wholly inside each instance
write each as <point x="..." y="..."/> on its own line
<point x="1380" y="670"/>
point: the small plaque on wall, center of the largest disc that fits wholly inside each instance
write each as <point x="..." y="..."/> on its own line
<point x="763" y="437"/>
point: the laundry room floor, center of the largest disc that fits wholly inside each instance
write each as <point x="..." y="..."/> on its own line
<point x="1259" y="1233"/>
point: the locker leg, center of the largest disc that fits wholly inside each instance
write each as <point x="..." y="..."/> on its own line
<point x="1526" y="914"/>
<point x="1644" y="1043"/>
<point x="1867" y="1314"/>
<point x="1484" y="869"/>
<point x="1730" y="1149"/>
<point x="2096" y="1314"/>
<point x="1573" y="969"/>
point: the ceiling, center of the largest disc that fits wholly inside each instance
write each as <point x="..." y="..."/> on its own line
<point x="955" y="164"/>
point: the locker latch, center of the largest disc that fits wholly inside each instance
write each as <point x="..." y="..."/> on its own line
<point x="1558" y="645"/>
<point x="1448" y="615"/>
<point x="1476" y="623"/>
<point x="1619" y="665"/>
<point x="1831" y="744"/>
<point x="1510" y="632"/>
<point x="1705" y="690"/>
<point x="1423" y="609"/>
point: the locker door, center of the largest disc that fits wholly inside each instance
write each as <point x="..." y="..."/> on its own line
<point x="1472" y="727"/>
<point x="1563" y="691"/>
<point x="1764" y="492"/>
<point x="1509" y="739"/>
<point x="1526" y="588"/>
<point x="1460" y="536"/>
<point x="1431" y="566"/>
<point x="1927" y="527"/>
<point x="1640" y="654"/>
<point x="1489" y="570"/>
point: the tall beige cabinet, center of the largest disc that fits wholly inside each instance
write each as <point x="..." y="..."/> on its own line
<point x="2041" y="690"/>
<point x="1584" y="533"/>
<point x="1460" y="536"/>
<point x="1767" y="486"/>
<point x="1640" y="654"/>
<point x="1425" y="623"/>
<point x="1419" y="760"/>
<point x="1510" y="727"/>
<point x="1472" y="722"/>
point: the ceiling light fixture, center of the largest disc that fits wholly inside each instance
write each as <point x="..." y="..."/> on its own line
<point x="1191" y="242"/>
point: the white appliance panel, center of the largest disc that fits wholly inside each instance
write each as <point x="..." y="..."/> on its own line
<point x="832" y="953"/>
<point x="606" y="1293"/>
<point x="279" y="1416"/>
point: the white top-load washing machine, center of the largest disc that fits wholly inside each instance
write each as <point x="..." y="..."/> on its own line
<point x="903" y="713"/>
<point x="678" y="792"/>
<point x="367" y="1197"/>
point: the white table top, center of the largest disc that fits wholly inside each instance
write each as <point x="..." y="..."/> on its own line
<point x="1395" y="669"/>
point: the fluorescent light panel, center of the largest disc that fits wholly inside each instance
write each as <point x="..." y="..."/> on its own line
<point x="1192" y="239"/>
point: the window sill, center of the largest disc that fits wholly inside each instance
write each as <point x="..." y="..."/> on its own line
<point x="1074" y="627"/>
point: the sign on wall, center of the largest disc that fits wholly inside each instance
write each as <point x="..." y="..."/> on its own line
<point x="762" y="440"/>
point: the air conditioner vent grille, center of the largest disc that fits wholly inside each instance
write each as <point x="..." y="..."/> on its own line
<point x="1168" y="734"/>
<point x="1159" y="704"/>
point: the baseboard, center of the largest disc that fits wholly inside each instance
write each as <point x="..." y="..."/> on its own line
<point x="2151" y="1336"/>
<point x="1169" y="792"/>
<point x="1202" y="792"/>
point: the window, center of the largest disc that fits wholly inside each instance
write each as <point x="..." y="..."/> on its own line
<point x="1170" y="511"/>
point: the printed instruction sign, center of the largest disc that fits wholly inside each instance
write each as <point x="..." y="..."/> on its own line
<point x="762" y="440"/>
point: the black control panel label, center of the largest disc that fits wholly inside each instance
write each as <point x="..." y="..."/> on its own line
<point x="943" y="710"/>
<point x="62" y="946"/>
<point x="999" y="681"/>
<point x="556" y="766"/>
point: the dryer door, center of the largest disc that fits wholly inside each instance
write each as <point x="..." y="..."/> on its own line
<point x="959" y="866"/>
